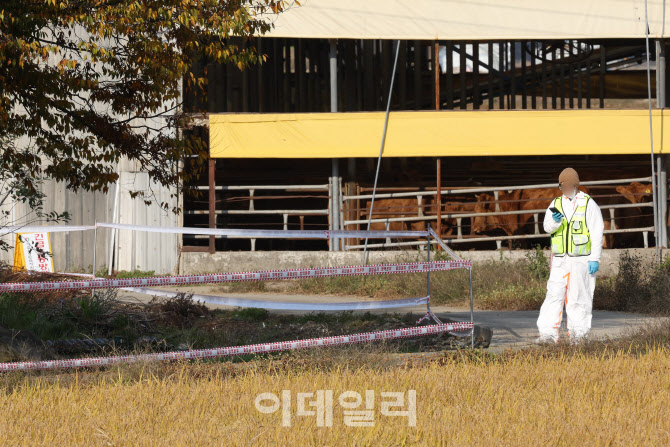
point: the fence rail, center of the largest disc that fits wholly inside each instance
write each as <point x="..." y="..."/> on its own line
<point x="395" y="195"/>
<point x="421" y="215"/>
<point x="341" y="206"/>
<point x="488" y="239"/>
<point x="252" y="209"/>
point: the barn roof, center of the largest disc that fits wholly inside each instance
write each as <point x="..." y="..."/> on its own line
<point x="470" y="20"/>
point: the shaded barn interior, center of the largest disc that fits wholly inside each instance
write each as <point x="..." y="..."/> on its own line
<point x="299" y="193"/>
<point x="308" y="208"/>
<point x="471" y="75"/>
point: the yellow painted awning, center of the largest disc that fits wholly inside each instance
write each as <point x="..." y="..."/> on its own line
<point x="439" y="133"/>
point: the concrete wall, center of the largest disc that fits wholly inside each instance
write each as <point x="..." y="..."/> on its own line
<point x="192" y="263"/>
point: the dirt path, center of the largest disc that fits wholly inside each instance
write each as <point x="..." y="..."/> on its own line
<point x="511" y="329"/>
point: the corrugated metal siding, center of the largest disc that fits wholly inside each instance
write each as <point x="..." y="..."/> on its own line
<point x="133" y="250"/>
<point x="143" y="250"/>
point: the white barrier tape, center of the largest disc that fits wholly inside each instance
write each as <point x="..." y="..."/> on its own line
<point x="241" y="350"/>
<point x="46" y="228"/>
<point x="283" y="305"/>
<point x="416" y="267"/>
<point x="230" y="232"/>
<point x="444" y="246"/>
<point x="235" y="232"/>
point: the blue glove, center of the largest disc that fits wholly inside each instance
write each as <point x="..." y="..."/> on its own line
<point x="557" y="217"/>
<point x="593" y="267"/>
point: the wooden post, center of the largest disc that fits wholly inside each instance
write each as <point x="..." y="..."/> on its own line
<point x="603" y="70"/>
<point x="524" y="100"/>
<point x="463" y="102"/>
<point x="438" y="199"/>
<point x="491" y="88"/>
<point x="450" y="75"/>
<point x="417" y="75"/>
<point x="436" y="69"/>
<point x="512" y="76"/>
<point x="212" y="204"/>
<point x="501" y="74"/>
<point x="476" y="93"/>
<point x="544" y="75"/>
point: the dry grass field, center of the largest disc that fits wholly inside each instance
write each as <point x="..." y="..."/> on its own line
<point x="599" y="393"/>
<point x="555" y="396"/>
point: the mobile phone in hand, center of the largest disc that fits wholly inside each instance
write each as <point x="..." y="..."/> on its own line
<point x="553" y="209"/>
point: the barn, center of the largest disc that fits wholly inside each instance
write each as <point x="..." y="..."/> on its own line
<point x="487" y="102"/>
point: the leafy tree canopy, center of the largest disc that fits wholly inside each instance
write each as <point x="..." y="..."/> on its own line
<point x="84" y="83"/>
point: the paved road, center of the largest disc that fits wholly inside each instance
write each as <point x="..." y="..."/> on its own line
<point x="511" y="329"/>
<point x="514" y="329"/>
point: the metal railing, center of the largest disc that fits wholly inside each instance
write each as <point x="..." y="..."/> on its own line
<point x="252" y="210"/>
<point x="496" y="190"/>
<point x="422" y="212"/>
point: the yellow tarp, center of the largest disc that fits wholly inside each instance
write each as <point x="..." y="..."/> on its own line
<point x="429" y="134"/>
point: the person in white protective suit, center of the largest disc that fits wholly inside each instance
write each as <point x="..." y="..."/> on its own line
<point x="576" y="226"/>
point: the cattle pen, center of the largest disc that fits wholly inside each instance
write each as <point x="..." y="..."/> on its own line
<point x="477" y="109"/>
<point x="394" y="212"/>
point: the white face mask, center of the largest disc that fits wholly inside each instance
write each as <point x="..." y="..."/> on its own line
<point x="571" y="194"/>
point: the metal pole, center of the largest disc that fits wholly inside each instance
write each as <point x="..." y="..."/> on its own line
<point x="662" y="204"/>
<point x="660" y="74"/>
<point x="212" y="203"/>
<point x="333" y="75"/>
<point x="438" y="196"/>
<point x="663" y="199"/>
<point x="335" y="173"/>
<point x="336" y="201"/>
<point x="95" y="249"/>
<point x="472" y="311"/>
<point x="661" y="102"/>
<point x="331" y="242"/>
<point x="651" y="129"/>
<point x="115" y="218"/>
<point x="428" y="259"/>
<point x="381" y="149"/>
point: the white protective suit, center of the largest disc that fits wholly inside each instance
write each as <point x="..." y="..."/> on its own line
<point x="569" y="281"/>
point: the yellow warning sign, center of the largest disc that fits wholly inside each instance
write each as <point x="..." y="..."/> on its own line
<point x="32" y="252"/>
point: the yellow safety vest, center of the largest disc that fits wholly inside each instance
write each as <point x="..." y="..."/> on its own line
<point x="574" y="234"/>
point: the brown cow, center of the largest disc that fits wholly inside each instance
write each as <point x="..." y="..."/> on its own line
<point x="486" y="203"/>
<point x="529" y="199"/>
<point x="638" y="217"/>
<point x="538" y="199"/>
<point x="636" y="192"/>
<point x="394" y="208"/>
<point x="450" y="224"/>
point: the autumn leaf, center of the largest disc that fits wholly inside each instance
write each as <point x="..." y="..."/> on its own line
<point x="88" y="83"/>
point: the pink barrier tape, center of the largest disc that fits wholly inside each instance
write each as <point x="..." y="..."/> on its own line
<point x="416" y="267"/>
<point x="427" y="316"/>
<point x="241" y="350"/>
